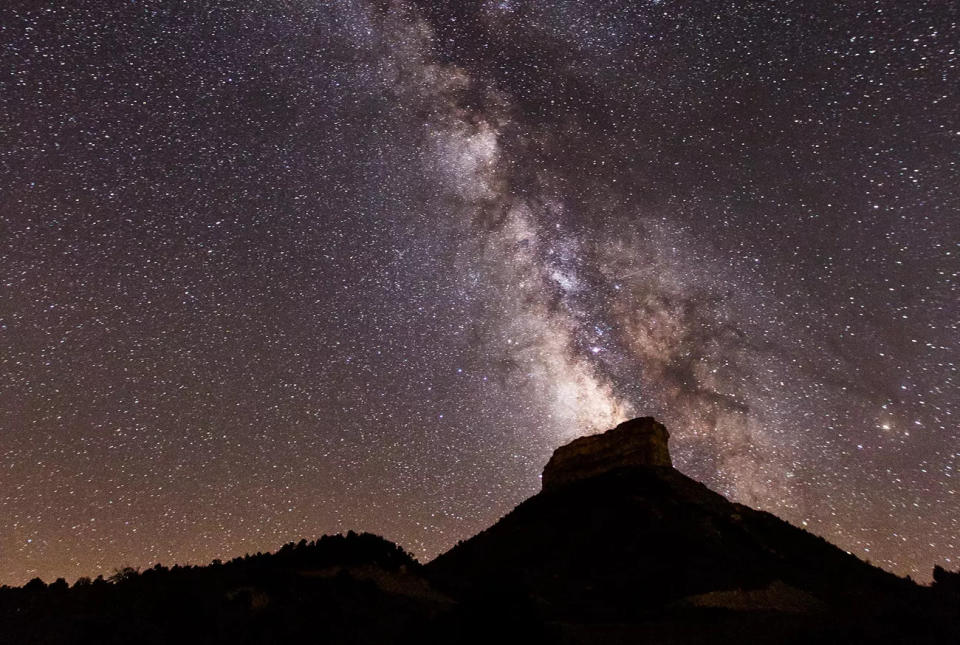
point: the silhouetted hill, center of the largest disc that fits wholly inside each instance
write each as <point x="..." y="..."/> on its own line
<point x="618" y="548"/>
<point x="620" y="545"/>
<point x="648" y="552"/>
<point x="342" y="589"/>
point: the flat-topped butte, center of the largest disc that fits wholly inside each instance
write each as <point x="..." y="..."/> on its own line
<point x="638" y="442"/>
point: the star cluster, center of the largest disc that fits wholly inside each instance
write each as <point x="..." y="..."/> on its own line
<point x="278" y="269"/>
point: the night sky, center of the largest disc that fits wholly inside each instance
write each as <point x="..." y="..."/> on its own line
<point x="275" y="269"/>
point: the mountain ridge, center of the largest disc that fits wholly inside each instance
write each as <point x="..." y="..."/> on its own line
<point x="618" y="547"/>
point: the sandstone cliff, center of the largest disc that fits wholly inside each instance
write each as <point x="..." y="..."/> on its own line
<point x="638" y="442"/>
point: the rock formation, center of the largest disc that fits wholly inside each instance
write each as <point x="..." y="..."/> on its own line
<point x="638" y="442"/>
<point x="621" y="548"/>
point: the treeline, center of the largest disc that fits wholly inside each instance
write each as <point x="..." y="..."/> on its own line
<point x="351" y="549"/>
<point x="292" y="595"/>
<point x="946" y="581"/>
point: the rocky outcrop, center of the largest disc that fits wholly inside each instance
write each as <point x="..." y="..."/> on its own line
<point x="639" y="442"/>
<point x="623" y="548"/>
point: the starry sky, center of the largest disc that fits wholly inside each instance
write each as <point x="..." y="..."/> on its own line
<point x="275" y="269"/>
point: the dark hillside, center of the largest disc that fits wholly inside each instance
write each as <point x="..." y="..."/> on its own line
<point x="619" y="543"/>
<point x="353" y="588"/>
<point x="618" y="548"/>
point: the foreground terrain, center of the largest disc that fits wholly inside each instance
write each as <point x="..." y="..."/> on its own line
<point x="619" y="547"/>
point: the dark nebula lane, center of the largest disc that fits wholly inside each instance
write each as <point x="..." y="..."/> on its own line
<point x="278" y="269"/>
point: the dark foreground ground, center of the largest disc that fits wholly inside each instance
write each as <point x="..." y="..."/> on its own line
<point x="634" y="555"/>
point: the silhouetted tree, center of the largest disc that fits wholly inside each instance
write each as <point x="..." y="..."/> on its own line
<point x="124" y="575"/>
<point x="35" y="585"/>
<point x="944" y="580"/>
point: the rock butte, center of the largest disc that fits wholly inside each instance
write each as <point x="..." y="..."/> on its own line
<point x="638" y="442"/>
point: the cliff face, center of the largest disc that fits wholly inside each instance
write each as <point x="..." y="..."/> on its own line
<point x="638" y="442"/>
<point x="622" y="548"/>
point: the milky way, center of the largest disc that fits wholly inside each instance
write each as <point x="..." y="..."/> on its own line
<point x="278" y="269"/>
